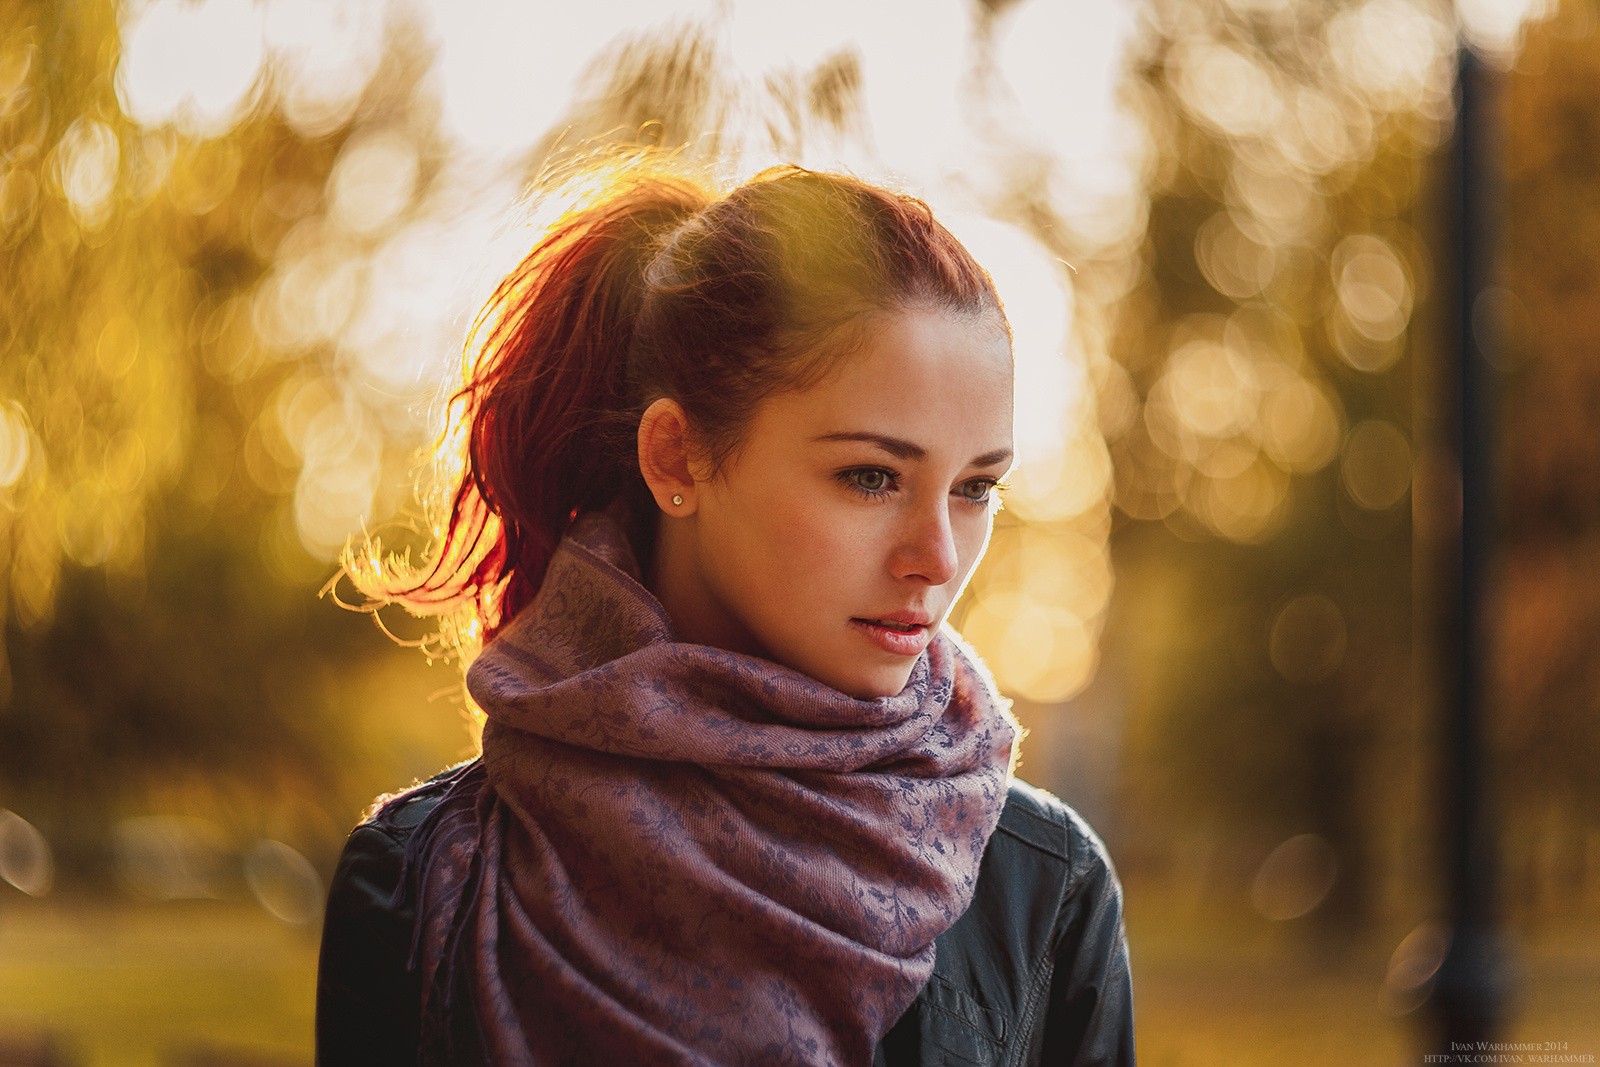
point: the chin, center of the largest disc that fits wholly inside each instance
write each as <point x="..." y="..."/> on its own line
<point x="854" y="674"/>
<point x="876" y="685"/>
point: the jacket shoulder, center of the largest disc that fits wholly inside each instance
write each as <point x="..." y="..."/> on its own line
<point x="368" y="997"/>
<point x="397" y="814"/>
<point x="1082" y="1012"/>
<point x="1035" y="971"/>
<point x="1041" y="823"/>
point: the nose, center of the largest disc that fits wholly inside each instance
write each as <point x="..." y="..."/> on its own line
<point x="926" y="547"/>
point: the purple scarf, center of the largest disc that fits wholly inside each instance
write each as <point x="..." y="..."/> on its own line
<point x="674" y="854"/>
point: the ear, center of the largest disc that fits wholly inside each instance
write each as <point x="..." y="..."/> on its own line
<point x="666" y="456"/>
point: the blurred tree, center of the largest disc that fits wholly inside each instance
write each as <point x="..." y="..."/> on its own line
<point x="1262" y="483"/>
<point x="159" y="631"/>
<point x="1546" y="716"/>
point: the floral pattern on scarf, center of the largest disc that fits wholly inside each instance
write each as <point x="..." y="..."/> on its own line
<point x="675" y="854"/>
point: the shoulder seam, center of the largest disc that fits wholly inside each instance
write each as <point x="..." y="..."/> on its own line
<point x="385" y="831"/>
<point x="1038" y="819"/>
<point x="1033" y="842"/>
<point x="386" y="810"/>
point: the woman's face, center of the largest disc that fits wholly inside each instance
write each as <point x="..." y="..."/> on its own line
<point x="838" y="536"/>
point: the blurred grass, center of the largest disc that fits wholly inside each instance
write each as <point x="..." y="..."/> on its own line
<point x="1230" y="989"/>
<point x="146" y="985"/>
<point x="222" y="983"/>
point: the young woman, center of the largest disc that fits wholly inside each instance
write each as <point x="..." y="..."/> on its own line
<point x="742" y="797"/>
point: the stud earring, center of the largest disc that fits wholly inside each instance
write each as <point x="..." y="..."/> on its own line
<point x="677" y="501"/>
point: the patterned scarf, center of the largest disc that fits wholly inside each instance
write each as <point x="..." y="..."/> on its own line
<point x="674" y="854"/>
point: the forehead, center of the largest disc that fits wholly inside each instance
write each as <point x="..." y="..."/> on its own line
<point x="918" y="374"/>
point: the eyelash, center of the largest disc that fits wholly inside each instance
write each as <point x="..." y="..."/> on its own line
<point x="849" y="479"/>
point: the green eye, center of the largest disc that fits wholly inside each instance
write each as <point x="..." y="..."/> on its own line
<point x="979" y="490"/>
<point x="872" y="479"/>
<point x="874" y="483"/>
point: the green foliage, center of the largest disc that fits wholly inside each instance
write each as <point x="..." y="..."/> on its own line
<point x="160" y="622"/>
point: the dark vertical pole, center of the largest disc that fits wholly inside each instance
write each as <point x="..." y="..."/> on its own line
<point x="1469" y="998"/>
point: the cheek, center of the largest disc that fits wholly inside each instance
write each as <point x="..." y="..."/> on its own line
<point x="786" y="546"/>
<point x="972" y="539"/>
<point x="813" y="547"/>
<point x="760" y="536"/>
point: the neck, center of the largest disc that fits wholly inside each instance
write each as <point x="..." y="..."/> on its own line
<point x="680" y="579"/>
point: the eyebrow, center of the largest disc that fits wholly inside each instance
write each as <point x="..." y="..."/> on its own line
<point x="900" y="448"/>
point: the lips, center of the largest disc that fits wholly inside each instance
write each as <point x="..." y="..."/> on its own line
<point x="902" y="633"/>
<point x="905" y="621"/>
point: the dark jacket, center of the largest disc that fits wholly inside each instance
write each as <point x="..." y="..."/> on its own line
<point x="1035" y="971"/>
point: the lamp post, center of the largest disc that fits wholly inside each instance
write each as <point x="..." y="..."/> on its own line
<point x="1470" y="994"/>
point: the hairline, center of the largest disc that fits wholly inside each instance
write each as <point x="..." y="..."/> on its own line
<point x="819" y="359"/>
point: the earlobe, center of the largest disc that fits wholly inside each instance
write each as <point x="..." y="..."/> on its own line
<point x="664" y="456"/>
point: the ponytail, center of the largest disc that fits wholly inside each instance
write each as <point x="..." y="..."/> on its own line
<point x="543" y="427"/>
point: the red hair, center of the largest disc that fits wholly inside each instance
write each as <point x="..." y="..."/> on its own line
<point x="656" y="288"/>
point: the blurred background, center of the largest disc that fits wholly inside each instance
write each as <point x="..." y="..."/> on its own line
<point x="241" y="242"/>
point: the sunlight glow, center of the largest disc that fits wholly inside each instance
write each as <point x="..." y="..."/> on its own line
<point x="1051" y="385"/>
<point x="1208" y="390"/>
<point x="341" y="463"/>
<point x="26" y="860"/>
<point x="913" y="83"/>
<point x="373" y="181"/>
<point x="504" y="73"/>
<point x="323" y="54"/>
<point x="499" y="78"/>
<point x="1038" y="611"/>
<point x="791" y="36"/>
<point x="87" y="161"/>
<point x="1392" y="50"/>
<point x="1497" y="25"/>
<point x="1374" y="291"/>
<point x="1300" y="425"/>
<point x="1064" y="64"/>
<point x="15" y="445"/>
<point x="1225" y="88"/>
<point x="192" y="64"/>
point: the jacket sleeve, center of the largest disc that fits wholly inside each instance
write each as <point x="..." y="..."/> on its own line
<point x="1090" y="1020"/>
<point x="368" y="1000"/>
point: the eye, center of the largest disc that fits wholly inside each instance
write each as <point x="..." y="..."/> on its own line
<point x="978" y="491"/>
<point x="869" y="481"/>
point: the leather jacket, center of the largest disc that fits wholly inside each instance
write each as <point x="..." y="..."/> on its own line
<point x="1034" y="973"/>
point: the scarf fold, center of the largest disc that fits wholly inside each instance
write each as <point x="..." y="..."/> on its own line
<point x="675" y="854"/>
